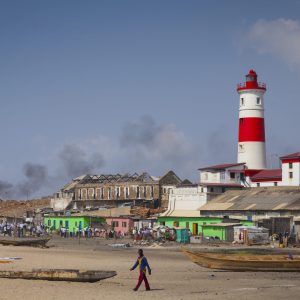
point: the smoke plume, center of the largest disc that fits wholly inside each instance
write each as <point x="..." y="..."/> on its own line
<point x="76" y="162"/>
<point x="36" y="176"/>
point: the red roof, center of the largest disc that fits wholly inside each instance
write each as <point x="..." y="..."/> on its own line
<point x="293" y="155"/>
<point x="222" y="167"/>
<point x="268" y="174"/>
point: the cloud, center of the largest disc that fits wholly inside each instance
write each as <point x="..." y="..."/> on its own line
<point x="280" y="38"/>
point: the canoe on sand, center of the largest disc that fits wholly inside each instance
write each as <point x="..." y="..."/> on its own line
<point x="246" y="262"/>
<point x="33" y="242"/>
<point x="59" y="275"/>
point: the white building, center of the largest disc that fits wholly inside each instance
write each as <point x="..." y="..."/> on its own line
<point x="251" y="143"/>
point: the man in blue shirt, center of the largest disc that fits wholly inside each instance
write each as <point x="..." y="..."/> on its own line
<point x="142" y="263"/>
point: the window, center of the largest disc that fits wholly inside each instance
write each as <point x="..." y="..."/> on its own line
<point x="290" y="165"/>
<point x="187" y="225"/>
<point x="109" y="193"/>
<point x="232" y="175"/>
<point x="102" y="193"/>
<point x="258" y="102"/>
<point x="211" y="190"/>
<point x="165" y="190"/>
<point x="176" y="224"/>
<point x="152" y="191"/>
<point x="124" y="224"/>
<point x="117" y="192"/>
<point x="258" y="184"/>
<point x="275" y="183"/>
<point x="202" y="190"/>
<point x="291" y="175"/>
<point x="126" y="191"/>
<point x="115" y="223"/>
<point x="222" y="176"/>
<point x="145" y="191"/>
<point x="138" y="192"/>
<point x="49" y="222"/>
<point x="242" y="101"/>
<point x="60" y="223"/>
<point x="162" y="223"/>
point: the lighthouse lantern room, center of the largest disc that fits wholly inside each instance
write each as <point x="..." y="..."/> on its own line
<point x="251" y="140"/>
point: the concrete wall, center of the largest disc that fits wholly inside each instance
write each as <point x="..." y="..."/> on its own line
<point x="295" y="170"/>
<point x="72" y="222"/>
<point x="187" y="198"/>
<point x="123" y="225"/>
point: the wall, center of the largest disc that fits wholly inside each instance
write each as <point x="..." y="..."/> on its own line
<point x="120" y="228"/>
<point x="187" y="198"/>
<point x="295" y="181"/>
<point x="117" y="191"/>
<point x="60" y="203"/>
<point x="182" y="222"/>
<point x="221" y="176"/>
<point x="74" y="222"/>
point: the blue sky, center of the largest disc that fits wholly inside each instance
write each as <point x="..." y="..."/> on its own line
<point x="125" y="86"/>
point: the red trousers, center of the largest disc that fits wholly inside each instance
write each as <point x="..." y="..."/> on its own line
<point x="141" y="278"/>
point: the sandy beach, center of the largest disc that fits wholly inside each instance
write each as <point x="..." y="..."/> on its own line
<point x="174" y="276"/>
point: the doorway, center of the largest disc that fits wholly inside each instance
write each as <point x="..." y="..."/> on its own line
<point x="195" y="228"/>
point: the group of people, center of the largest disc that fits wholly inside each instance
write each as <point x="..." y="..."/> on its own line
<point x="159" y="233"/>
<point x="89" y="232"/>
<point x="22" y="229"/>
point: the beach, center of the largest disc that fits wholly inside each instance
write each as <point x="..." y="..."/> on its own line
<point x="173" y="275"/>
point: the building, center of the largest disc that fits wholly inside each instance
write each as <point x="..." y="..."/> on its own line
<point x="73" y="223"/>
<point x="257" y="205"/>
<point x="94" y="191"/>
<point x="123" y="224"/>
<point x="167" y="182"/>
<point x="251" y="142"/>
<point x="62" y="199"/>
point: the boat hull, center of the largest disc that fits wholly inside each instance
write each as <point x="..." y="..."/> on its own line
<point x="233" y="262"/>
<point x="59" y="275"/>
<point x="35" y="242"/>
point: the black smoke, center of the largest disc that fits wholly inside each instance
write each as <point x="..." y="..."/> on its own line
<point x="76" y="162"/>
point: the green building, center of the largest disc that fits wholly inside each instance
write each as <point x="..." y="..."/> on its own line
<point x="72" y="222"/>
<point x="197" y="224"/>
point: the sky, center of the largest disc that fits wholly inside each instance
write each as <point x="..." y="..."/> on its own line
<point x="138" y="86"/>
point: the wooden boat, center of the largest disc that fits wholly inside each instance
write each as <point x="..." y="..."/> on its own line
<point x="246" y="262"/>
<point x="33" y="242"/>
<point x="59" y="275"/>
<point x="5" y="261"/>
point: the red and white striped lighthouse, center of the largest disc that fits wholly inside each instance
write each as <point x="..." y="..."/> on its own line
<point x="251" y="145"/>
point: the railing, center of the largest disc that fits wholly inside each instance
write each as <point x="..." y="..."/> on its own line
<point x="244" y="85"/>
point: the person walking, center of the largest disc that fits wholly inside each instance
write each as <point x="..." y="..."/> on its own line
<point x="142" y="263"/>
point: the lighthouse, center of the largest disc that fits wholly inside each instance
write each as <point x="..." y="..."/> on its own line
<point x="251" y="143"/>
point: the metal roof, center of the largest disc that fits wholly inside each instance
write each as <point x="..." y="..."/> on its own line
<point x="292" y="155"/>
<point x="181" y="213"/>
<point x="251" y="199"/>
<point x="268" y="174"/>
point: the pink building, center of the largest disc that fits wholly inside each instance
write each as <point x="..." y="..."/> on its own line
<point x="120" y="224"/>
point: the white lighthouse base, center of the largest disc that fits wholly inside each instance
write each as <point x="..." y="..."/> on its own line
<point x="253" y="154"/>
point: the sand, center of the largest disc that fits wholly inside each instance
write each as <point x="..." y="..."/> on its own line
<point x="174" y="276"/>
